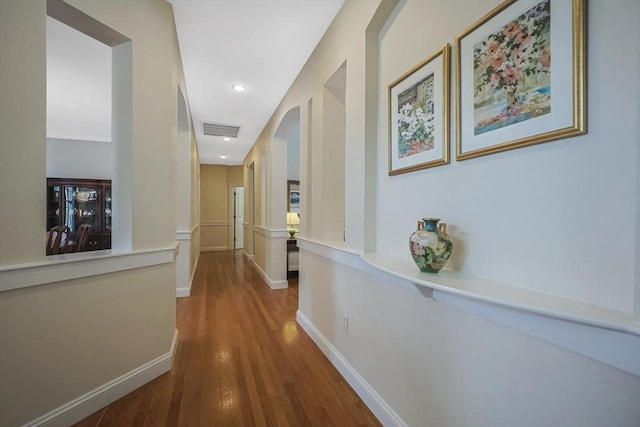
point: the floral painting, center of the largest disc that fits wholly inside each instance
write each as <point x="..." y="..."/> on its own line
<point x="512" y="71"/>
<point x="419" y="115"/>
<point x="416" y="118"/>
<point x="521" y="76"/>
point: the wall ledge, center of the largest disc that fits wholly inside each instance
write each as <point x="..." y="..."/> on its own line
<point x="57" y="268"/>
<point x="273" y="233"/>
<point x="602" y="333"/>
<point x="519" y="298"/>
<point x="186" y="234"/>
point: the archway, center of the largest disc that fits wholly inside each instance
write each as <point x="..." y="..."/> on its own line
<point x="288" y="131"/>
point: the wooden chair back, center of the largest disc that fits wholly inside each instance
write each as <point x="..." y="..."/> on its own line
<point x="82" y="238"/>
<point x="58" y="240"/>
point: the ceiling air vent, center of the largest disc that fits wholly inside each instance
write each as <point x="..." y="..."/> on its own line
<point x="220" y="129"/>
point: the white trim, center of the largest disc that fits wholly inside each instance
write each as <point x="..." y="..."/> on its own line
<point x="212" y="224"/>
<point x="272" y="233"/>
<point x="250" y="257"/>
<point x="58" y="268"/>
<point x="186" y="291"/>
<point x="273" y="284"/>
<point x="85" y="405"/>
<point x="601" y="333"/>
<point x="185" y="235"/>
<point x="214" y="248"/>
<point x="385" y="414"/>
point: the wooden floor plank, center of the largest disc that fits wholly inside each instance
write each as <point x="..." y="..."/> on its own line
<point x="242" y="360"/>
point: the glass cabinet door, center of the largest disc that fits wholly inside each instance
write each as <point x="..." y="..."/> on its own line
<point x="107" y="208"/>
<point x="76" y="201"/>
<point x="82" y="207"/>
<point x="53" y="206"/>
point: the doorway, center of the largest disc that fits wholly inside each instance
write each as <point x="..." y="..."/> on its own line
<point x="238" y="217"/>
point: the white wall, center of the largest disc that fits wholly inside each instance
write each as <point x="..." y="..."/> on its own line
<point x="333" y="153"/>
<point x="437" y="365"/>
<point x="293" y="153"/>
<point x="70" y="158"/>
<point x="78" y="85"/>
<point x="79" y="76"/>
<point x="265" y="235"/>
<point x="530" y="217"/>
<point x="185" y="227"/>
<point x="558" y="217"/>
<point x="87" y="323"/>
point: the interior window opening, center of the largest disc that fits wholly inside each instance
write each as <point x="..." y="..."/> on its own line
<point x="88" y="157"/>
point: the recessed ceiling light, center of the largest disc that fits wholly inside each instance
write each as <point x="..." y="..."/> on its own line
<point x="226" y="138"/>
<point x="223" y="157"/>
<point x="238" y="88"/>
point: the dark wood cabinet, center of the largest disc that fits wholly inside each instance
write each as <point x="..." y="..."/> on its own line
<point x="73" y="202"/>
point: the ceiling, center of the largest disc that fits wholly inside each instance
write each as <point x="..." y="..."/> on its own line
<point x="260" y="44"/>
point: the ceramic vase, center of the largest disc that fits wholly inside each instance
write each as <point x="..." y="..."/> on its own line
<point x="430" y="245"/>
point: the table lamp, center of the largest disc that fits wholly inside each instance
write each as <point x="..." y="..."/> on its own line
<point x="293" y="220"/>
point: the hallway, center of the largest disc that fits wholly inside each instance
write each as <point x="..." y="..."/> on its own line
<point x="242" y="360"/>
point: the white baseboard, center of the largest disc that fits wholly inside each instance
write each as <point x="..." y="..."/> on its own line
<point x="273" y="284"/>
<point x="214" y="248"/>
<point x="183" y="292"/>
<point x="186" y="291"/>
<point x="85" y="405"/>
<point x="371" y="398"/>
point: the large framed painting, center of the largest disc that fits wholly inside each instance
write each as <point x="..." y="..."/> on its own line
<point x="419" y="116"/>
<point x="520" y="77"/>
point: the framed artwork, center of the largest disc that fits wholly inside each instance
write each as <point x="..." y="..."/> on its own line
<point x="419" y="116"/>
<point x="520" y="77"/>
<point x="293" y="196"/>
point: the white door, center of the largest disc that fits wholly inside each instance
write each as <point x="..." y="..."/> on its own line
<point x="238" y="217"/>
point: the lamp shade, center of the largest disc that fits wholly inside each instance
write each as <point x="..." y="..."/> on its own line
<point x="293" y="218"/>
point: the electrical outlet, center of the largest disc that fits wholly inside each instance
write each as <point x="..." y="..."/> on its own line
<point x="345" y="323"/>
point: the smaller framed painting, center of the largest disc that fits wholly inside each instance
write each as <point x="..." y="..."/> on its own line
<point x="519" y="79"/>
<point x="419" y="116"/>
<point x="293" y="196"/>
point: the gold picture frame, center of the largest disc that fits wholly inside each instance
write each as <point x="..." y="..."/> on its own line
<point x="419" y="115"/>
<point x="508" y="95"/>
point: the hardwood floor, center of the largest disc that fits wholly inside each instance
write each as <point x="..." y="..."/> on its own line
<point x="242" y="360"/>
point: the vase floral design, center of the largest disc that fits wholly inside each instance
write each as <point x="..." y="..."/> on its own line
<point x="430" y="245"/>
